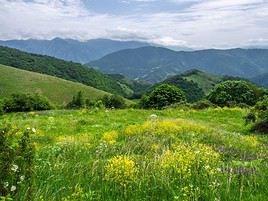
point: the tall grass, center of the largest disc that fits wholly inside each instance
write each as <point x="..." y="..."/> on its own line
<point x="133" y="155"/>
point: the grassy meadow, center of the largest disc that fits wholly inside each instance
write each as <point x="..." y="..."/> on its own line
<point x="145" y="155"/>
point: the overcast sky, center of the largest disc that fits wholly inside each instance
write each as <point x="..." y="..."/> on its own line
<point x="191" y="23"/>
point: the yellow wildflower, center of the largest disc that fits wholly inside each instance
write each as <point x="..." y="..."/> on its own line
<point x="109" y="137"/>
<point x="121" y="170"/>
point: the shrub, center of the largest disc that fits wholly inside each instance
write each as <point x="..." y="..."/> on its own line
<point x="259" y="115"/>
<point x="113" y="101"/>
<point x="77" y="101"/>
<point x="202" y="104"/>
<point x="231" y="93"/>
<point x="16" y="160"/>
<point x="162" y="96"/>
<point x="25" y="103"/>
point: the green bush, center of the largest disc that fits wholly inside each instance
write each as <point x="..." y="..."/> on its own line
<point x="162" y="96"/>
<point x="25" y="103"/>
<point x="231" y="93"/>
<point x="113" y="101"/>
<point x="202" y="104"/>
<point x="16" y="161"/>
<point x="259" y="115"/>
<point x="77" y="102"/>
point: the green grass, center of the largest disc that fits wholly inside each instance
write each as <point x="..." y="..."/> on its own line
<point x="74" y="158"/>
<point x="57" y="90"/>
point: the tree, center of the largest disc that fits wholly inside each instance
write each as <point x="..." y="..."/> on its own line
<point x="113" y="101"/>
<point x="161" y="96"/>
<point x="230" y="93"/>
<point x="77" y="101"/>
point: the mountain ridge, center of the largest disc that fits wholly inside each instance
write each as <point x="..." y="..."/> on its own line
<point x="154" y="64"/>
<point x="72" y="50"/>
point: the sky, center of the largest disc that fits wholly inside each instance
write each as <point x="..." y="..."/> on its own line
<point x="189" y="23"/>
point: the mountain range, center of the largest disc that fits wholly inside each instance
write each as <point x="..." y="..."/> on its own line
<point x="73" y="50"/>
<point x="76" y="72"/>
<point x="155" y="64"/>
<point x="261" y="80"/>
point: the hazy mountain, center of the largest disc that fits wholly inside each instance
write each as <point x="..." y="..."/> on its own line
<point x="155" y="63"/>
<point x="261" y="80"/>
<point x="73" y="50"/>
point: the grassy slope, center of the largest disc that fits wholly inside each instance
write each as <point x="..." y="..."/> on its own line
<point x="85" y="129"/>
<point x="14" y="80"/>
<point x="59" y="68"/>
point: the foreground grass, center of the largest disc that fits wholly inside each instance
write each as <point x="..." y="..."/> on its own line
<point x="146" y="155"/>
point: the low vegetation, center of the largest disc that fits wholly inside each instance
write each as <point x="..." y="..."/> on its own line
<point x="259" y="116"/>
<point x="24" y="103"/>
<point x="140" y="155"/>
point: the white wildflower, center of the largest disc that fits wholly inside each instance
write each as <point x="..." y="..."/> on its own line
<point x="34" y="130"/>
<point x="153" y="116"/>
<point x="22" y="178"/>
<point x="13" y="188"/>
<point x="14" y="168"/>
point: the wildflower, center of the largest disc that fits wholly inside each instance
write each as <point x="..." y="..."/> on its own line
<point x="153" y="116"/>
<point x="187" y="158"/>
<point x="121" y="170"/>
<point x="13" y="188"/>
<point x="14" y="168"/>
<point x="110" y="137"/>
<point x="22" y="178"/>
<point x="34" y="130"/>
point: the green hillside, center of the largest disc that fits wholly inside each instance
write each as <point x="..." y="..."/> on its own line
<point x="57" y="90"/>
<point x="133" y="88"/>
<point x="204" y="80"/>
<point x="59" y="68"/>
<point x="192" y="90"/>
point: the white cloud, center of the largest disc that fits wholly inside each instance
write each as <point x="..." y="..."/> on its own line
<point x="206" y="23"/>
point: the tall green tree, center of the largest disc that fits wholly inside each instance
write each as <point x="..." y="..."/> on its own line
<point x="163" y="95"/>
<point x="230" y="93"/>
